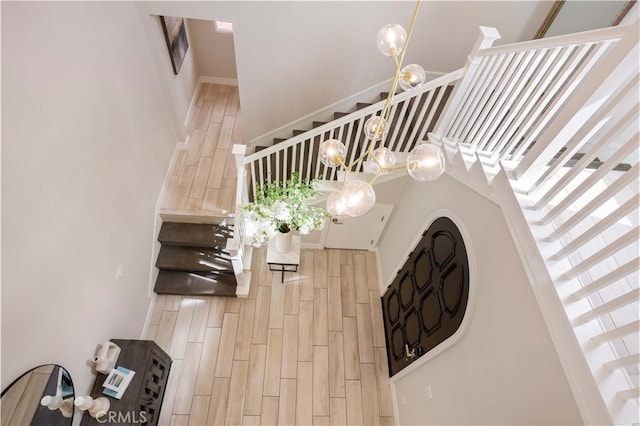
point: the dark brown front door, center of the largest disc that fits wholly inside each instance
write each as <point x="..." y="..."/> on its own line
<point x="426" y="302"/>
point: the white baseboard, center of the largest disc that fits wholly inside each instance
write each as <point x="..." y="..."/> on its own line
<point x="211" y="80"/>
<point x="218" y="80"/>
<point x="155" y="245"/>
<point x="187" y="118"/>
<point x="311" y="246"/>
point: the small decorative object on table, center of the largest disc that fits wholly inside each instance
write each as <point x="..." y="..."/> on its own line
<point x="56" y="402"/>
<point x="280" y="208"/>
<point x="117" y="381"/>
<point x="106" y="357"/>
<point x="96" y="408"/>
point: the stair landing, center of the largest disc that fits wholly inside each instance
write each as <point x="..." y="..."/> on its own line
<point x="202" y="180"/>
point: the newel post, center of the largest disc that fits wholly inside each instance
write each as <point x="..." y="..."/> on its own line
<point x="239" y="152"/>
<point x="485" y="40"/>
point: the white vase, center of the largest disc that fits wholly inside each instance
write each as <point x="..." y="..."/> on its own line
<point x="283" y="242"/>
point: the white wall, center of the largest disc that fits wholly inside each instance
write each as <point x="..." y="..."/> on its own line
<point x="504" y="369"/>
<point x="86" y="141"/>
<point x="214" y="51"/>
<point x="177" y="89"/>
<point x="294" y="58"/>
<point x="577" y="16"/>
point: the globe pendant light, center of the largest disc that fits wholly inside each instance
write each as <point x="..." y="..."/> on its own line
<point x="332" y="153"/>
<point x="336" y="205"/>
<point x="425" y="162"/>
<point x="359" y="197"/>
<point x="374" y="128"/>
<point x="379" y="160"/>
<point x="412" y="77"/>
<point x="391" y="39"/>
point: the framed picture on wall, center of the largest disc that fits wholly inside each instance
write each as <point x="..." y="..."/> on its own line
<point x="175" y="33"/>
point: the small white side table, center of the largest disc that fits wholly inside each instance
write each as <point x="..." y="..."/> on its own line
<point x="284" y="262"/>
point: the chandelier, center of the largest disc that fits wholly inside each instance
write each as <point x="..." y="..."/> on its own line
<point x="424" y="163"/>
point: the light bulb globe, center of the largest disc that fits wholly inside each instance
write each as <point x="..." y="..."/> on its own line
<point x="336" y="205"/>
<point x="332" y="152"/>
<point x="425" y="162"/>
<point x="385" y="158"/>
<point x="391" y="39"/>
<point x="374" y="127"/>
<point x="412" y="76"/>
<point x="359" y="197"/>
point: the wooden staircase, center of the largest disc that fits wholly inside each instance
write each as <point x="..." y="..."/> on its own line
<point x="193" y="260"/>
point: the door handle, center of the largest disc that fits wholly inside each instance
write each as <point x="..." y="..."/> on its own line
<point x="336" y="222"/>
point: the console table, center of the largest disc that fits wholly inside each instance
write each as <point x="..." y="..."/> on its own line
<point x="284" y="262"/>
<point x="142" y="399"/>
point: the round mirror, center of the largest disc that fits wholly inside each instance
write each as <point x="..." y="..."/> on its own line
<point x="41" y="396"/>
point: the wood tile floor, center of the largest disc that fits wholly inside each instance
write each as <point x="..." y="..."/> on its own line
<point x="307" y="352"/>
<point x="202" y="181"/>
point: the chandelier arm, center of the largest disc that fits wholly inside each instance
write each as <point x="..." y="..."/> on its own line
<point x="344" y="177"/>
<point x="373" y="179"/>
<point x="375" y="160"/>
<point x="366" y="152"/>
<point x="386" y="110"/>
<point x="413" y="21"/>
<point x="396" y="167"/>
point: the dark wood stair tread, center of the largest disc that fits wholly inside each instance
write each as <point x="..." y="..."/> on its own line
<point x="193" y="259"/>
<point x="194" y="234"/>
<point x="196" y="283"/>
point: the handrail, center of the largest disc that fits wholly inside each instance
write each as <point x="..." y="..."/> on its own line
<point x="591" y="36"/>
<point x="430" y="85"/>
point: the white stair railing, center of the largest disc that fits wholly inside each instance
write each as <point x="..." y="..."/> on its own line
<point x="510" y="94"/>
<point x="413" y="114"/>
<point x="560" y="116"/>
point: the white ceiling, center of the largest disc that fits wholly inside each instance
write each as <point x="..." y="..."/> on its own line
<point x="296" y="57"/>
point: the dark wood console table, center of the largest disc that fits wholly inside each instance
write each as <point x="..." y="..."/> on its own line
<point x="142" y="399"/>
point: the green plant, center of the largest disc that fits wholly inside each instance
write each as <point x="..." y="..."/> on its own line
<point x="281" y="207"/>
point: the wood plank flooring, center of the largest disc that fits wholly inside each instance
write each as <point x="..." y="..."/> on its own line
<point x="306" y="352"/>
<point x="20" y="404"/>
<point x="202" y="181"/>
